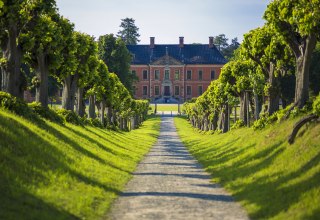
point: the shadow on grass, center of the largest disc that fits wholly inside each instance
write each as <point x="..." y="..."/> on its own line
<point x="24" y="164"/>
<point x="22" y="205"/>
<point x="280" y="195"/>
<point x="113" y="142"/>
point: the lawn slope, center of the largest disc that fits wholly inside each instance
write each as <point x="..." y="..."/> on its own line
<point x="50" y="171"/>
<point x="271" y="179"/>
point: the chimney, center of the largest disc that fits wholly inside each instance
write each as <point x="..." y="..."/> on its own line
<point x="151" y="42"/>
<point x="181" y="43"/>
<point x="211" y="42"/>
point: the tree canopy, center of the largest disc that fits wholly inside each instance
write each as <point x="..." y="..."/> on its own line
<point x="129" y="32"/>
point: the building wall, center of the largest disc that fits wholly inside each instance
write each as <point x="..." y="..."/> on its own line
<point x="183" y="82"/>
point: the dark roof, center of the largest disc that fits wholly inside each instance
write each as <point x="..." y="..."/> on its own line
<point x="188" y="54"/>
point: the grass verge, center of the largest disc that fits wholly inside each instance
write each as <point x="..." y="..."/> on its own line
<point x="271" y="179"/>
<point x="51" y="171"/>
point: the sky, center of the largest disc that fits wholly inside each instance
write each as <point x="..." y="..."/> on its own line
<point x="167" y="20"/>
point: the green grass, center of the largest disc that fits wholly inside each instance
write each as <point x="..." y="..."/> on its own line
<point x="165" y="107"/>
<point x="49" y="171"/>
<point x="271" y="179"/>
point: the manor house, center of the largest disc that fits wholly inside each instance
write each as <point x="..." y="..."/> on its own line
<point x="174" y="72"/>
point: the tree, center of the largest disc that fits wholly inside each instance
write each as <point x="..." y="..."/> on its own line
<point x="65" y="73"/>
<point x="228" y="52"/>
<point x="221" y="41"/>
<point x="267" y="49"/>
<point x="16" y="18"/>
<point x="129" y="32"/>
<point x="298" y="21"/>
<point x="116" y="56"/>
<point x="43" y="45"/>
<point x="224" y="47"/>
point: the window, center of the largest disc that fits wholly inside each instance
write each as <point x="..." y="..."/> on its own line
<point x="134" y="90"/>
<point x="157" y="74"/>
<point x="145" y="90"/>
<point x="156" y="90"/>
<point x="200" y="90"/>
<point x="167" y="74"/>
<point x="200" y="74"/>
<point x="189" y="90"/>
<point x="189" y="74"/>
<point x="176" y="90"/>
<point x="213" y="74"/>
<point x="145" y="74"/>
<point x="177" y="75"/>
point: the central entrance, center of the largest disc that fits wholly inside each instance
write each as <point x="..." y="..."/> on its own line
<point x="167" y="91"/>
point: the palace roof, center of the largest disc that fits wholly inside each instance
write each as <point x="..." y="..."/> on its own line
<point x="174" y="54"/>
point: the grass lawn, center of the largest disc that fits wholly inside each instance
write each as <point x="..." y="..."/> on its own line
<point x="271" y="179"/>
<point x="49" y="171"/>
<point x="165" y="107"/>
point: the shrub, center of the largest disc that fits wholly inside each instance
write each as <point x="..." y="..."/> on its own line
<point x="70" y="116"/>
<point x="94" y="122"/>
<point x="15" y="105"/>
<point x="265" y="120"/>
<point x="46" y="113"/>
<point x="238" y="124"/>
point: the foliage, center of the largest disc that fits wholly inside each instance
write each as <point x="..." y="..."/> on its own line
<point x="70" y="116"/>
<point x="316" y="106"/>
<point x="94" y="122"/>
<point x="116" y="56"/>
<point x="46" y="113"/>
<point x="66" y="171"/>
<point x="298" y="22"/>
<point x="129" y="32"/>
<point x="224" y="47"/>
<point x="14" y="104"/>
<point x="270" y="178"/>
<point x="238" y="124"/>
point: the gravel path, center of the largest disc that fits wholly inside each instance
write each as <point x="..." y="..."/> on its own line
<point x="170" y="184"/>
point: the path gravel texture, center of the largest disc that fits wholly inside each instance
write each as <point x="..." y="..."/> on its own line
<point x="170" y="184"/>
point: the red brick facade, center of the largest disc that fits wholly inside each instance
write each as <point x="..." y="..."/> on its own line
<point x="175" y="72"/>
<point x="178" y="85"/>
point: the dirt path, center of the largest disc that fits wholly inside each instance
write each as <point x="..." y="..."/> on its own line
<point x="170" y="184"/>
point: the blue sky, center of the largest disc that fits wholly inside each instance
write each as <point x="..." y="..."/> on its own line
<point x="166" y="20"/>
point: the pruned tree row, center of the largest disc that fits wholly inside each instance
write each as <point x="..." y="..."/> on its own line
<point x="271" y="66"/>
<point x="35" y="35"/>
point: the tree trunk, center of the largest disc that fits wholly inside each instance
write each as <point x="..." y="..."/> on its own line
<point x="243" y="107"/>
<point x="214" y="122"/>
<point x="92" y="111"/>
<point x="81" y="105"/>
<point x="69" y="85"/>
<point x="125" y="124"/>
<point x="102" y="109"/>
<point x="299" y="124"/>
<point x="98" y="105"/>
<point x="121" y="123"/>
<point x="223" y="120"/>
<point x="274" y="91"/>
<point x="109" y="116"/>
<point x="13" y="80"/>
<point x="302" y="72"/>
<point x="257" y="107"/>
<point x="42" y="72"/>
<point x="206" y="123"/>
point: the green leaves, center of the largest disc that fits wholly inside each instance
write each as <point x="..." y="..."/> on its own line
<point x="129" y="32"/>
